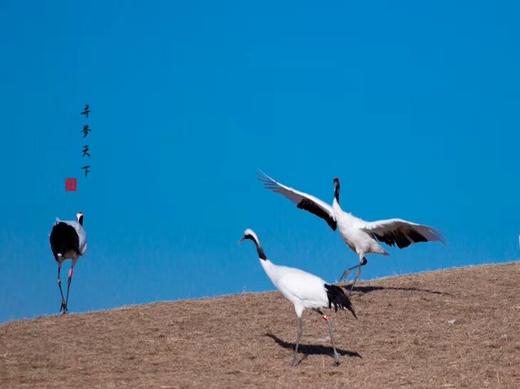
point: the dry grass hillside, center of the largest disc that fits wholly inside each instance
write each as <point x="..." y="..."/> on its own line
<point x="449" y="329"/>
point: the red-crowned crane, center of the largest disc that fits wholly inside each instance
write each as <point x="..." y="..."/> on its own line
<point x="304" y="290"/>
<point x="68" y="241"/>
<point x="361" y="236"/>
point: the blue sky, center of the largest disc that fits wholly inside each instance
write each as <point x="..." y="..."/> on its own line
<point x="415" y="106"/>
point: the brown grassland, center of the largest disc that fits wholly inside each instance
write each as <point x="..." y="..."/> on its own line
<point x="447" y="329"/>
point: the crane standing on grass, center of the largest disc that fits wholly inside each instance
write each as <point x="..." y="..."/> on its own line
<point x="68" y="241"/>
<point x="304" y="290"/>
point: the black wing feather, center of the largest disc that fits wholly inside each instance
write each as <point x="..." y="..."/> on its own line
<point x="400" y="238"/>
<point x="316" y="210"/>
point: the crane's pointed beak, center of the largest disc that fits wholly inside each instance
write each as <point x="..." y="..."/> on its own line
<point x="241" y="240"/>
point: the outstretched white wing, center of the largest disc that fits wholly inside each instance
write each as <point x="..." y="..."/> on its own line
<point x="401" y="232"/>
<point x="303" y="200"/>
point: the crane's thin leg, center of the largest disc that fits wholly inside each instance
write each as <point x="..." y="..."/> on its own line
<point x="336" y="355"/>
<point x="69" y="280"/>
<point x="328" y="320"/>
<point x="298" y="336"/>
<point x="61" y="290"/>
<point x="346" y="273"/>
<point x="358" y="272"/>
<point x="362" y="262"/>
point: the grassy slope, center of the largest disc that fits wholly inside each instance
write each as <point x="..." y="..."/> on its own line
<point x="405" y="336"/>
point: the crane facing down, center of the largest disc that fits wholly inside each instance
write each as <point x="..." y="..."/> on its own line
<point x="304" y="290"/>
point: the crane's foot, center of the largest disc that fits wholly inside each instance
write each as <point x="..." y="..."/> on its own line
<point x="63" y="308"/>
<point x="336" y="358"/>
<point x="296" y="361"/>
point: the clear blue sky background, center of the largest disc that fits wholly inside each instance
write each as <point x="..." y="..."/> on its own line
<point x="414" y="105"/>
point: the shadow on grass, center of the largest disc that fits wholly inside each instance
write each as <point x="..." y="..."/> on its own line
<point x="369" y="289"/>
<point x="311" y="349"/>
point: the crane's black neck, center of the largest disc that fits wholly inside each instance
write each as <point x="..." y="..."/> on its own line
<point x="259" y="249"/>
<point x="336" y="189"/>
<point x="261" y="253"/>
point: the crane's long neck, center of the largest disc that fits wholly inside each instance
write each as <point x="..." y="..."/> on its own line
<point x="269" y="267"/>
<point x="335" y="205"/>
<point x="252" y="236"/>
<point x="272" y="270"/>
<point x="260" y="251"/>
<point x="335" y="201"/>
<point x="336" y="192"/>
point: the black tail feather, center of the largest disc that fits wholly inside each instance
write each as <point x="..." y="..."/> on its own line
<point x="63" y="239"/>
<point x="339" y="299"/>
